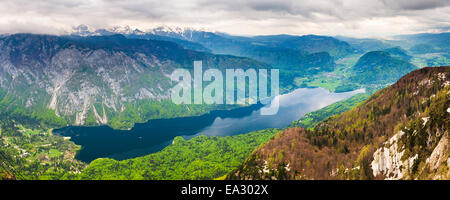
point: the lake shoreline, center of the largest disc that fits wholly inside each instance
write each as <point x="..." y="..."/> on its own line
<point x="103" y="141"/>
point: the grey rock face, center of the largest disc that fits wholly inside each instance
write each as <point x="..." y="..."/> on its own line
<point x="73" y="81"/>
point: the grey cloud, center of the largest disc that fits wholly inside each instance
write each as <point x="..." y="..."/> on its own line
<point x="415" y="4"/>
<point x="233" y="16"/>
<point x="272" y="6"/>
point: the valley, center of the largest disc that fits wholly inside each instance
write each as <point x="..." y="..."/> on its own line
<point x="95" y="104"/>
<point x="154" y="135"/>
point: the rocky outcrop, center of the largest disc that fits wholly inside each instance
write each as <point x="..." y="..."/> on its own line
<point x="440" y="154"/>
<point x="387" y="161"/>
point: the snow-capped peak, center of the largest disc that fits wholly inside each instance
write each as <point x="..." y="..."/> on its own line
<point x="125" y="30"/>
<point x="171" y="29"/>
<point x="176" y="32"/>
<point x="84" y="30"/>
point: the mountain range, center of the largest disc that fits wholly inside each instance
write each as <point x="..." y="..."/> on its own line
<point x="98" y="79"/>
<point x="91" y="78"/>
<point x="117" y="77"/>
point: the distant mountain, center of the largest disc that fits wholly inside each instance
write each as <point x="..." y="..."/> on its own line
<point x="366" y="44"/>
<point x="274" y="50"/>
<point x="427" y="42"/>
<point x="291" y="59"/>
<point x="399" y="53"/>
<point x="424" y="48"/>
<point x="304" y="54"/>
<point x="400" y="132"/>
<point x="379" y="67"/>
<point x="227" y="44"/>
<point x="184" y="43"/>
<point x="83" y="30"/>
<point x="309" y="43"/>
<point x="415" y="43"/>
<point x="97" y="79"/>
<point x="428" y="49"/>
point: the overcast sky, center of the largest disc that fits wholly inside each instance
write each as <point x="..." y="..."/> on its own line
<point x="357" y="18"/>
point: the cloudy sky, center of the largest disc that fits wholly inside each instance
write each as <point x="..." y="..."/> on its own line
<point x="357" y="18"/>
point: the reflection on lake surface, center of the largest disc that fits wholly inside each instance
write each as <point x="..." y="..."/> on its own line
<point x="154" y="135"/>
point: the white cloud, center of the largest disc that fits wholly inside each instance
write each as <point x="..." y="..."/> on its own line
<point x="374" y="18"/>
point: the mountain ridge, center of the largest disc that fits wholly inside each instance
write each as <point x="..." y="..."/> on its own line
<point x="100" y="79"/>
<point x="380" y="67"/>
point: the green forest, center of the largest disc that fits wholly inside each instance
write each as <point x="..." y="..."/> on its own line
<point x="201" y="157"/>
<point x="310" y="120"/>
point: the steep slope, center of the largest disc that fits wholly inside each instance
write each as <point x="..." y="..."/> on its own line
<point x="98" y="80"/>
<point x="401" y="132"/>
<point x="379" y="67"/>
<point x="309" y="120"/>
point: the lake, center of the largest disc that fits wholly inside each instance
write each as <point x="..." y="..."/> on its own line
<point x="154" y="135"/>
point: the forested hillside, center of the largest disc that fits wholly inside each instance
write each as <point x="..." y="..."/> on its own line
<point x="379" y="67"/>
<point x="201" y="157"/>
<point x="400" y="132"/>
<point x="310" y="120"/>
